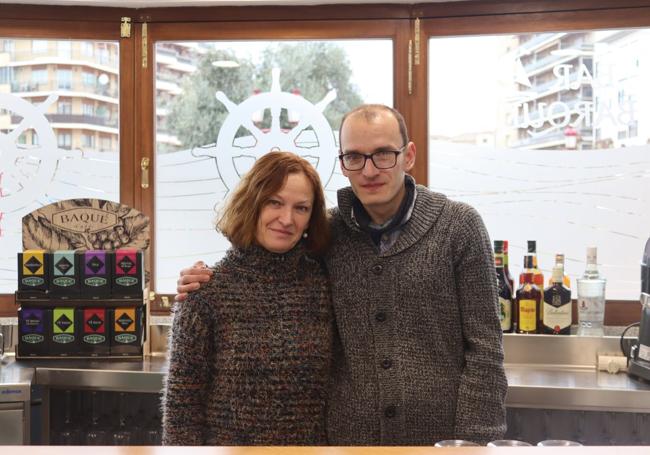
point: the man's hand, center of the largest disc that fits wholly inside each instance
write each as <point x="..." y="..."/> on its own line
<point x="191" y="279"/>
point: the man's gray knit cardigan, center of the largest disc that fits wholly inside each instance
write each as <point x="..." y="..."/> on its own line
<point x="420" y="356"/>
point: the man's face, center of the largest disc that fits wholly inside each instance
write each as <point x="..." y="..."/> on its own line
<point x="380" y="190"/>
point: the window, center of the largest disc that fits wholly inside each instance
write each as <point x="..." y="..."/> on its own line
<point x="33" y="79"/>
<point x="88" y="79"/>
<point x="64" y="79"/>
<point x="39" y="76"/>
<point x="40" y="46"/>
<point x="88" y="141"/>
<point x="88" y="109"/>
<point x="535" y="155"/>
<point x="64" y="49"/>
<point x="64" y="140"/>
<point x="87" y="49"/>
<point x="64" y="107"/>
<point x="315" y="82"/>
<point x="6" y="75"/>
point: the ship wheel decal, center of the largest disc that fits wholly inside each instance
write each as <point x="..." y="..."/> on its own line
<point x="235" y="156"/>
<point x="26" y="170"/>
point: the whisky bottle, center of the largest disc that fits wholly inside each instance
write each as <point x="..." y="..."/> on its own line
<point x="505" y="291"/>
<point x="528" y="302"/>
<point x="538" y="276"/>
<point x="557" y="305"/>
<point x="506" y="267"/>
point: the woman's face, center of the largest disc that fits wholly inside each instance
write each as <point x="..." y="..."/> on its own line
<point x="285" y="216"/>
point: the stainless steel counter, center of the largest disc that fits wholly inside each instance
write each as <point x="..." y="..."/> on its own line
<point x="15" y="381"/>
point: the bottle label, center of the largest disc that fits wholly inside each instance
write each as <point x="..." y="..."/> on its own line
<point x="505" y="313"/>
<point x="557" y="317"/>
<point x="527" y="315"/>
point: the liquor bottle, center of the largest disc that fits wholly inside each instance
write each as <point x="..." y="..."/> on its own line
<point x="557" y="305"/>
<point x="538" y="276"/>
<point x="506" y="267"/>
<point x="529" y="298"/>
<point x="505" y="291"/>
<point x="559" y="260"/>
<point x="591" y="298"/>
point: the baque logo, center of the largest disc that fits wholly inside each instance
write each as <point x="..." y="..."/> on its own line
<point x="33" y="338"/>
<point x="63" y="338"/>
<point x="84" y="219"/>
<point x="95" y="281"/>
<point x="33" y="281"/>
<point x="125" y="338"/>
<point x="94" y="338"/>
<point x="63" y="281"/>
<point x="126" y="281"/>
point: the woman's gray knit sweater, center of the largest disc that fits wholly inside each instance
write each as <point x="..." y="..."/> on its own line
<point x="250" y="354"/>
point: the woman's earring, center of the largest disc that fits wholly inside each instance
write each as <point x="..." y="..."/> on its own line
<point x="304" y="235"/>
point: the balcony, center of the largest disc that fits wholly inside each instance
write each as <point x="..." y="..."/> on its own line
<point x="73" y="118"/>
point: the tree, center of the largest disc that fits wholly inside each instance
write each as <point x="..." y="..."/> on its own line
<point x="195" y="116"/>
<point x="313" y="68"/>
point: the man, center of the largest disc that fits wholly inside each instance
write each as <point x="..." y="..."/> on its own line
<point x="419" y="355"/>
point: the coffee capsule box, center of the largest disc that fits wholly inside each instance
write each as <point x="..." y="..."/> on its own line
<point x="94" y="339"/>
<point x="63" y="341"/>
<point x="128" y="276"/>
<point x="33" y="277"/>
<point x="64" y="274"/>
<point x="33" y="331"/>
<point x="95" y="267"/>
<point x="127" y="331"/>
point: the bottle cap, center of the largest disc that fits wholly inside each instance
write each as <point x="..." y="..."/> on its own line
<point x="505" y="246"/>
<point x="559" y="258"/>
<point x="498" y="246"/>
<point x="592" y="255"/>
<point x="532" y="246"/>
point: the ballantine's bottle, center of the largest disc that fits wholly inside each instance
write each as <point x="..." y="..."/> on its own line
<point x="591" y="298"/>
<point x="557" y="305"/>
<point x="529" y="298"/>
<point x="506" y="300"/>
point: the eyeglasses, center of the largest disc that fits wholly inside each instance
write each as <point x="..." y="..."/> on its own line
<point x="382" y="159"/>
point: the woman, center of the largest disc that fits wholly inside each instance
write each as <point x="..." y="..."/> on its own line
<point x="250" y="351"/>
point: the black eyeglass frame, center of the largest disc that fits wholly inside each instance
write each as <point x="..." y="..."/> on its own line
<point x="371" y="157"/>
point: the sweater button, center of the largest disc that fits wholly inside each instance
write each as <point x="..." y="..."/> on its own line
<point x="377" y="269"/>
<point x="386" y="364"/>
<point x="390" y="412"/>
<point x="380" y="316"/>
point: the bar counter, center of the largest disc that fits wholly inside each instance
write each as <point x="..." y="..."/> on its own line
<point x="591" y="450"/>
<point x="543" y="372"/>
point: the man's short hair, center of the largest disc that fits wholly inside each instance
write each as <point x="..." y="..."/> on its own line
<point x="238" y="220"/>
<point x="371" y="111"/>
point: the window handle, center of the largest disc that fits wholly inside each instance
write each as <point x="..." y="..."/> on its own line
<point x="144" y="166"/>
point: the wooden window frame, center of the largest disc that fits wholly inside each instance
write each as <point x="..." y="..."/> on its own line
<point x="300" y="22"/>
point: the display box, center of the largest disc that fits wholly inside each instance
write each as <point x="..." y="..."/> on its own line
<point x="95" y="274"/>
<point x="128" y="274"/>
<point x="127" y="331"/>
<point x="63" y="341"/>
<point x="33" y="278"/>
<point x="64" y="274"/>
<point x="34" y="331"/>
<point x="94" y="338"/>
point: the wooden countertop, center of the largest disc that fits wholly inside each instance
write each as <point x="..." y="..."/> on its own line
<point x="586" y="450"/>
